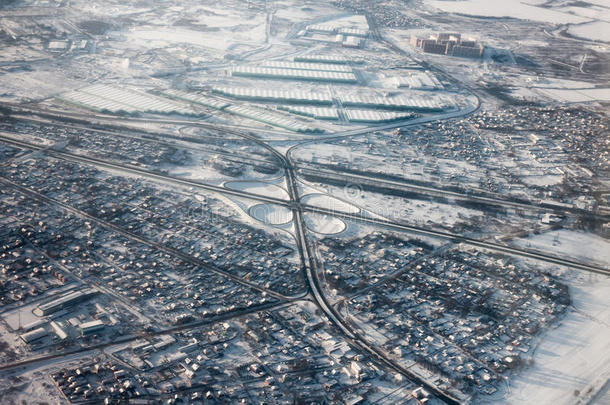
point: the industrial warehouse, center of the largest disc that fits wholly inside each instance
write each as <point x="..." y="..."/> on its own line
<point x="312" y="93"/>
<point x="295" y="74"/>
<point x="342" y="202"/>
<point x="315" y="81"/>
<point x="287" y="96"/>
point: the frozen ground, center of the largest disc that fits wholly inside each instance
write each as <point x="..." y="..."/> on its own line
<point x="39" y="84"/>
<point x="552" y="82"/>
<point x="420" y="212"/>
<point x="580" y="246"/>
<point x="324" y="224"/>
<point x="509" y="8"/>
<point x="577" y="96"/>
<point x="571" y="361"/>
<point x="258" y="187"/>
<point x="596" y="31"/>
<point x="160" y="37"/>
<point x="271" y="214"/>
<point x="328" y="202"/>
<point x="545" y="180"/>
<point x="573" y="357"/>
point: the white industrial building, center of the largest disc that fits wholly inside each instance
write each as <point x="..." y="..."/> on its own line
<point x="329" y="67"/>
<point x="264" y="94"/>
<point x="319" y="113"/>
<point x="294" y="74"/>
<point x="113" y="99"/>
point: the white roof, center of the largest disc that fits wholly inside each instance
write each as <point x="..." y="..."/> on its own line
<point x="91" y="324"/>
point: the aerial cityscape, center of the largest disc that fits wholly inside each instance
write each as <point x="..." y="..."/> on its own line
<point x="314" y="202"/>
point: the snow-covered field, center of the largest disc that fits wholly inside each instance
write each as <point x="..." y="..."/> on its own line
<point x="258" y="187"/>
<point x="573" y="357"/>
<point x="544" y="180"/>
<point x="579" y="246"/>
<point x="571" y="361"/>
<point x="552" y="82"/>
<point x="577" y="96"/>
<point x="420" y="212"/>
<point x="159" y="37"/>
<point x="324" y="224"/>
<point x="271" y="214"/>
<point x="330" y="203"/>
<point x="509" y="8"/>
<point x="597" y="31"/>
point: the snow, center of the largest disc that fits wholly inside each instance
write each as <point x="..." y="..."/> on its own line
<point x="271" y="214"/>
<point x="37" y="84"/>
<point x="580" y="246"/>
<point x="552" y="82"/>
<point x="596" y="31"/>
<point x="194" y="171"/>
<point x="603" y="3"/>
<point x="355" y="21"/>
<point x="219" y="29"/>
<point x="160" y="37"/>
<point x="330" y="203"/>
<point x="575" y="355"/>
<point x="596" y="13"/>
<point x="419" y="212"/>
<point x="258" y="187"/>
<point x="577" y="96"/>
<point x="324" y="224"/>
<point x="20" y="317"/>
<point x="546" y="180"/>
<point x="509" y="8"/>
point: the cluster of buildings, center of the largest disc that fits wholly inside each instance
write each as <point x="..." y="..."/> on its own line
<point x="24" y="273"/>
<point x="307" y="70"/>
<point x="286" y="96"/>
<point x="261" y="115"/>
<point x="464" y="317"/>
<point x="78" y="321"/>
<point x="353" y="264"/>
<point x="113" y="99"/>
<point x="66" y="313"/>
<point x="98" y="381"/>
<point x="384" y="14"/>
<point x="372" y="116"/>
<point x="562" y="134"/>
<point x="160" y="157"/>
<point x="330" y="32"/>
<point x="70" y="45"/>
<point x="530" y="153"/>
<point x="214" y="240"/>
<point x="333" y="59"/>
<point x="418" y="81"/>
<point x="45" y="252"/>
<point x="295" y="74"/>
<point x="449" y="44"/>
<point x="344" y="104"/>
<point x="400" y="102"/>
<point x="117" y="100"/>
<point x="276" y="356"/>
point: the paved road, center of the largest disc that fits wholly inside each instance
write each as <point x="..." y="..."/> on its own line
<point x="174" y="252"/>
<point x="142" y="335"/>
<point x="294" y="204"/>
<point x="306" y="250"/>
<point x="377" y="181"/>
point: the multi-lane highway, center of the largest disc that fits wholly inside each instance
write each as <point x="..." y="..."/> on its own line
<point x="309" y="261"/>
<point x="297" y="206"/>
<point x="144" y="335"/>
<point x="130" y="235"/>
<point x="379" y="183"/>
